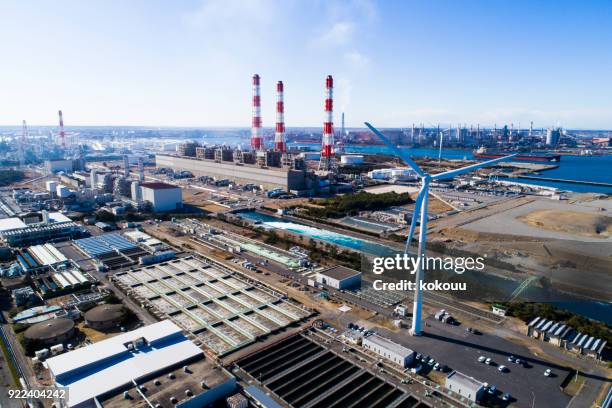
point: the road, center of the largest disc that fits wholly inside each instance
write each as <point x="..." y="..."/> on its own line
<point x="142" y="314"/>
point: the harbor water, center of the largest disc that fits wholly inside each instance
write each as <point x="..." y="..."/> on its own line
<point x="581" y="168"/>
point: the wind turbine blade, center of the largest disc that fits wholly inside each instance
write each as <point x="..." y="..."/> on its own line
<point x="453" y="173"/>
<point x="415" y="214"/>
<point x="405" y="157"/>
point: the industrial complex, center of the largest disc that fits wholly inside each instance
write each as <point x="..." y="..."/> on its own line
<point x="174" y="268"/>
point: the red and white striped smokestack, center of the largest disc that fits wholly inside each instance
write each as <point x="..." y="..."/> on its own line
<point x="61" y="128"/>
<point x="256" y="135"/>
<point x="279" y="135"/>
<point x="327" y="150"/>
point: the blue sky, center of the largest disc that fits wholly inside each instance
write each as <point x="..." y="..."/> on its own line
<point x="189" y="63"/>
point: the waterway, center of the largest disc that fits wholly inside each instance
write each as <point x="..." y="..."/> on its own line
<point x="582" y="168"/>
<point x="597" y="310"/>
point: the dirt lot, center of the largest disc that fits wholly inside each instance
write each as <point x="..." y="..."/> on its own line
<point x="572" y="222"/>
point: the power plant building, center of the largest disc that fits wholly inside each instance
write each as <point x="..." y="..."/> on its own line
<point x="162" y="196"/>
<point x="269" y="177"/>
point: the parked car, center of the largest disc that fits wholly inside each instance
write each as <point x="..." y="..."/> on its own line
<point x="506" y="397"/>
<point x="548" y="372"/>
<point x="492" y="389"/>
<point x="488" y="361"/>
<point x="482" y="359"/>
<point x="502" y="368"/>
<point x="511" y="359"/>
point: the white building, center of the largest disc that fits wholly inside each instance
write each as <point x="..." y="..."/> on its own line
<point x="162" y="196"/>
<point x="467" y="387"/>
<point x="39" y="228"/>
<point x="394" y="174"/>
<point x="136" y="191"/>
<point x="53" y="166"/>
<point x="339" y="277"/>
<point x="351" y="159"/>
<point x="97" y="371"/>
<point x="387" y="349"/>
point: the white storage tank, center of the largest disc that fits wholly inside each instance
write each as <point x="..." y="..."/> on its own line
<point x="351" y="159"/>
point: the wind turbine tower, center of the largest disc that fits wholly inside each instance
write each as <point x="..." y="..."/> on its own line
<point x="420" y="205"/>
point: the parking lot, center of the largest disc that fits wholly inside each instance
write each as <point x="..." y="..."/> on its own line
<point x="455" y="347"/>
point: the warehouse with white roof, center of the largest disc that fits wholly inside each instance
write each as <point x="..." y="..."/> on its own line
<point x="99" y="371"/>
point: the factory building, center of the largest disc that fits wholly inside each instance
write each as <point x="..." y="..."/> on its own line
<point x="465" y="386"/>
<point x="162" y="196"/>
<point x="53" y="166"/>
<point x="51" y="332"/>
<point x="271" y="177"/>
<point x="104" y="317"/>
<point x="339" y="277"/>
<point x="38" y="228"/>
<point x="552" y="136"/>
<point x="158" y="358"/>
<point x="389" y="350"/>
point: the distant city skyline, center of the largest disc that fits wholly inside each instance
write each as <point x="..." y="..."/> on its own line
<point x="189" y="63"/>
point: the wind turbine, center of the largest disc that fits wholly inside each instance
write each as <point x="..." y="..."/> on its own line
<point x="441" y="133"/>
<point x="420" y="204"/>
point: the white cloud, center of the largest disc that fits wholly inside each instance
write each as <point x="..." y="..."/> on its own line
<point x="356" y="59"/>
<point x="341" y="33"/>
<point x="231" y="14"/>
